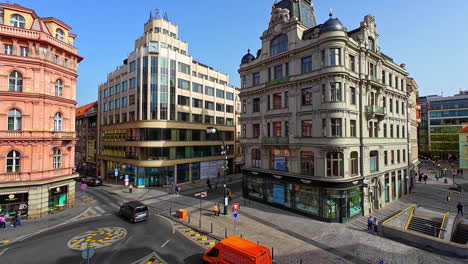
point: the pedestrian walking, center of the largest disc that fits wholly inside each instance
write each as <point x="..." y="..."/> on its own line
<point x="216" y="184"/>
<point x="420" y="177"/>
<point x="376" y="226"/>
<point x="229" y="196"/>
<point x="208" y="183"/>
<point x="130" y="188"/>
<point x="370" y="223"/>
<point x="17" y="219"/>
<point x="177" y="189"/>
<point x="2" y="221"/>
<point x="460" y="208"/>
<point x="216" y="209"/>
<point x="425" y="179"/>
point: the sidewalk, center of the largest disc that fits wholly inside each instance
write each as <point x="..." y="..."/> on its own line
<point x="292" y="237"/>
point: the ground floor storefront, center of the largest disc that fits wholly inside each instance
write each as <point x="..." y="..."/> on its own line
<point x="35" y="201"/>
<point x="326" y="201"/>
<point x="163" y="176"/>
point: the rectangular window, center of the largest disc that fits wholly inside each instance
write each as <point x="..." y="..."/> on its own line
<point x="182" y="116"/>
<point x="390" y="79"/>
<point x="106" y="93"/>
<point x="352" y="124"/>
<point x="111" y="91"/>
<point x="391" y="131"/>
<point x="277" y="129"/>
<point x="398" y="156"/>
<point x="307" y="163"/>
<point x="306" y="128"/>
<point x="324" y="93"/>
<point x="209" y="90"/>
<point x="219" y="120"/>
<point x="392" y="157"/>
<point x="209" y="105"/>
<point x="244" y="106"/>
<point x="131" y="99"/>
<point x="398" y="131"/>
<point x="391" y="104"/>
<point x="277" y="100"/>
<point x="105" y="107"/>
<point x="124" y="86"/>
<point x="335" y="92"/>
<point x="183" y="84"/>
<point x="286" y="128"/>
<point x="219" y="93"/>
<point x="256" y="105"/>
<point x="307" y="96"/>
<point x="255" y="78"/>
<point x="278" y="70"/>
<point x="335" y="127"/>
<point x="352" y="63"/>
<point x="132" y="66"/>
<point x="210" y="120"/>
<point x="256" y="130"/>
<point x="197" y="118"/>
<point x="124" y="101"/>
<point x="229" y="109"/>
<point x="111" y="105"/>
<point x="386" y="157"/>
<point x="268" y="130"/>
<point x="182" y="67"/>
<point x="8" y="49"/>
<point x="229" y="96"/>
<point x="229" y="122"/>
<point x="256" y="158"/>
<point x="132" y="83"/>
<point x="268" y="102"/>
<point x="403" y="131"/>
<point x="117" y="103"/>
<point x="306" y="64"/>
<point x="196" y="87"/>
<point x="183" y="100"/>
<point x="385" y="130"/>
<point x="287" y="69"/>
<point x="286" y="99"/>
<point x="403" y="108"/>
<point x="324" y="127"/>
<point x="404" y="155"/>
<point x="374" y="161"/>
<point x="243" y="81"/>
<point x="117" y="88"/>
<point x="397" y="106"/>
<point x="197" y="103"/>
<point x="384" y="77"/>
<point x="219" y="107"/>
<point x="334" y="56"/>
<point x="24" y="51"/>
<point x="324" y="63"/>
<point x="353" y="95"/>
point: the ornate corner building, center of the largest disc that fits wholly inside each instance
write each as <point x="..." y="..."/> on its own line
<point x="325" y="117"/>
<point x="154" y="112"/>
<point x="38" y="71"/>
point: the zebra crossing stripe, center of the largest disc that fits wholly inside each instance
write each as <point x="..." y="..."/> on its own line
<point x="99" y="209"/>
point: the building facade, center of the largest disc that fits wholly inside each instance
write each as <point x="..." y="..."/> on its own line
<point x="414" y="120"/>
<point x="463" y="146"/>
<point x="155" y="110"/>
<point x="86" y="131"/>
<point x="442" y="118"/>
<point x="324" y="118"/>
<point x="38" y="66"/>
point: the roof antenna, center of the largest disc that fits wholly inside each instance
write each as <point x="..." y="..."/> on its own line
<point x="331" y="13"/>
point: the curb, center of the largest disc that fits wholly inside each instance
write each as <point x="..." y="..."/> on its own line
<point x="206" y="233"/>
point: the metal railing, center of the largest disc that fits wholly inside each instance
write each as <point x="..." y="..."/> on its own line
<point x="277" y="81"/>
<point x="374" y="109"/>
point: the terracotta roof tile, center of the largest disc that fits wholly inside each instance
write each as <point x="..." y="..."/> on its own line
<point x="83" y="109"/>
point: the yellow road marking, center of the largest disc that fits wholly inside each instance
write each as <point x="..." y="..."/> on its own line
<point x="5" y="241"/>
<point x="77" y="246"/>
<point x="74" y="240"/>
<point x="102" y="233"/>
<point x="82" y="217"/>
<point x="92" y="215"/>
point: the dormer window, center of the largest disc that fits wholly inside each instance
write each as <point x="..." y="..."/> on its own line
<point x="279" y="44"/>
<point x="371" y="44"/>
<point x="59" y="34"/>
<point x="17" y="21"/>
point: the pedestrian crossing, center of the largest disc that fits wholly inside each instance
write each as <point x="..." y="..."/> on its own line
<point x="197" y="237"/>
<point x="85" y="198"/>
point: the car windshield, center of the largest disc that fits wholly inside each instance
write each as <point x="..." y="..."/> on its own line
<point x="141" y="209"/>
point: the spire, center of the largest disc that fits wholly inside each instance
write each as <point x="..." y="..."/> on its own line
<point x="151" y="15"/>
<point x="331" y="13"/>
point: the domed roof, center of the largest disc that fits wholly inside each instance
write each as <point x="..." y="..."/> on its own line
<point x="331" y="25"/>
<point x="247" y="57"/>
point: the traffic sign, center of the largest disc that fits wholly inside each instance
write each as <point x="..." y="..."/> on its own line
<point x="203" y="194"/>
<point x="235" y="206"/>
<point x="84" y="186"/>
<point x="87" y="253"/>
<point x="235" y="215"/>
<point x="116" y="172"/>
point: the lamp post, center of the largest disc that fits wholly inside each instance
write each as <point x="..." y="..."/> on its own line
<point x="214" y="130"/>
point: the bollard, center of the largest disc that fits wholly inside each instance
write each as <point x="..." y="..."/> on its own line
<point x="199" y="223"/>
<point x="189" y="218"/>
<point x="272" y="253"/>
<point x="258" y="242"/>
<point x="300" y="262"/>
<point x="211" y="228"/>
<point x="241" y="236"/>
<point x="225" y="232"/>
<point x="170" y="211"/>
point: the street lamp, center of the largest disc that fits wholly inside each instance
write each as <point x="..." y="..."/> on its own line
<point x="214" y="130"/>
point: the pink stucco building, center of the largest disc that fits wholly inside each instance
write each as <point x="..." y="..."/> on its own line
<point x="38" y="71"/>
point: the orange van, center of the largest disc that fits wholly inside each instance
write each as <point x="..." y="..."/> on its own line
<point x="236" y="250"/>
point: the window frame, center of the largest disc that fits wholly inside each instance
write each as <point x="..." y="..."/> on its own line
<point x="15" y="159"/>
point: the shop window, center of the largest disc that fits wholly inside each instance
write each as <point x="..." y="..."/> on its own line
<point x="307" y="163"/>
<point x="335" y="164"/>
<point x="13" y="161"/>
<point x="182" y="173"/>
<point x="307" y="198"/>
<point x="278" y="192"/>
<point x="255" y="187"/>
<point x="58" y="197"/>
<point x="12" y="203"/>
<point x="354" y="161"/>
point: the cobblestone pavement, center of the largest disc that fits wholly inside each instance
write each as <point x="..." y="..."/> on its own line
<point x="294" y="237"/>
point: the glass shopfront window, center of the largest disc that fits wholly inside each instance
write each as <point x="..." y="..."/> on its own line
<point x="159" y="176"/>
<point x="255" y="187"/>
<point x="195" y="171"/>
<point x="278" y="192"/>
<point x="393" y="191"/>
<point x="182" y="173"/>
<point x="58" y="198"/>
<point x="354" y="201"/>
<point x="331" y="207"/>
<point x="13" y="202"/>
<point x="307" y="198"/>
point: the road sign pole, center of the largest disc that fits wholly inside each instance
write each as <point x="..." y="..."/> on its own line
<point x="199" y="221"/>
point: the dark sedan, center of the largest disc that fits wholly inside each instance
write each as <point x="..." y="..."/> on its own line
<point x="92" y="181"/>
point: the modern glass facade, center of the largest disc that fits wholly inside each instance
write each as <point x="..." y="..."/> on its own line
<point x="313" y="198"/>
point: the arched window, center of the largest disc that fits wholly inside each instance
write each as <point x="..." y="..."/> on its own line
<point x="57" y="159"/>
<point x="17" y="21"/>
<point x="58" y="87"/>
<point x="59" y="34"/>
<point x="13" y="161"/>
<point x="354" y="163"/>
<point x="335" y="164"/>
<point x="58" y="122"/>
<point x="279" y="44"/>
<point x="15" y="82"/>
<point x="14" y="119"/>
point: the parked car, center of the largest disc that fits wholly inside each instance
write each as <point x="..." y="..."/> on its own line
<point x="134" y="211"/>
<point x="92" y="181"/>
<point x="80" y="178"/>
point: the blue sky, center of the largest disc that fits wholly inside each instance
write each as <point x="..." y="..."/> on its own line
<point x="429" y="36"/>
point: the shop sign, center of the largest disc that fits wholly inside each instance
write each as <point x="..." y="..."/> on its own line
<point x="306" y="181"/>
<point x="355" y="182"/>
<point x="58" y="190"/>
<point x="13" y="198"/>
<point x="278" y="177"/>
<point x="254" y="172"/>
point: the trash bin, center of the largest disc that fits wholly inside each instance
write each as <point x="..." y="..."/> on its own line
<point x="182" y="213"/>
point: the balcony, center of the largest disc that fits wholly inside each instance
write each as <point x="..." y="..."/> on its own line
<point x="36" y="35"/>
<point x="373" y="111"/>
<point x="17" y="177"/>
<point x="275" y="140"/>
<point x="276" y="81"/>
<point x="35" y="135"/>
<point x="375" y="81"/>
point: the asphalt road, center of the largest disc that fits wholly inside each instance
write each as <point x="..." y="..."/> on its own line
<point x="154" y="235"/>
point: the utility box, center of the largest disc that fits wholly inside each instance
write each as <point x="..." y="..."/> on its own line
<point x="182" y="213"/>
